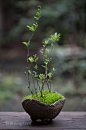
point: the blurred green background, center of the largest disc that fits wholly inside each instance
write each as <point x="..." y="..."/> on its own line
<point x="69" y="56"/>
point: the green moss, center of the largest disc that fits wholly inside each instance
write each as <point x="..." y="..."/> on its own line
<point x="48" y="97"/>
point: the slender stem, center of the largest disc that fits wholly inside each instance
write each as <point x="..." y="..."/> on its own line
<point x="28" y="78"/>
<point x="38" y="85"/>
<point x="31" y="36"/>
<point x="37" y="79"/>
<point x="48" y="86"/>
<point x="42" y="89"/>
<point x="46" y="72"/>
<point x="34" y="83"/>
<point x="29" y="84"/>
<point x="28" y="63"/>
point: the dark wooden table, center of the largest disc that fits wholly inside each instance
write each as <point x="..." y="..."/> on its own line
<point x="64" y="121"/>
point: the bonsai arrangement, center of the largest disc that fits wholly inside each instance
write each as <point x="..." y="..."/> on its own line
<point x="41" y="104"/>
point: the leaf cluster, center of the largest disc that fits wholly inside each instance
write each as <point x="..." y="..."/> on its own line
<point x="38" y="15"/>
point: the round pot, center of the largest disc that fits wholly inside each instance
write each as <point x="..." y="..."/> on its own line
<point x="39" y="110"/>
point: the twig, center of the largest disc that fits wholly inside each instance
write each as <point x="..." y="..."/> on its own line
<point x="29" y="84"/>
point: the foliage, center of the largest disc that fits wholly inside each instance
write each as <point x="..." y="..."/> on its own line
<point x="46" y="55"/>
<point x="48" y="97"/>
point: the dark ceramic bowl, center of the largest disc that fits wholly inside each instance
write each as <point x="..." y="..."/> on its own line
<point x="39" y="110"/>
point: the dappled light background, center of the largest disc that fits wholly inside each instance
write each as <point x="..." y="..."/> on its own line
<point x="69" y="55"/>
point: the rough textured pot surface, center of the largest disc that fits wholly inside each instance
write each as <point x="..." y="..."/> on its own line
<point x="39" y="110"/>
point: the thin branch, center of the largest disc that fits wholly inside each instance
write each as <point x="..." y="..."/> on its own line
<point x="34" y="83"/>
<point x="42" y="89"/>
<point x="48" y="86"/>
<point x="29" y="84"/>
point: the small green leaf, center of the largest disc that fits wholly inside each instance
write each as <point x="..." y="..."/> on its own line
<point x="55" y="34"/>
<point x="56" y="37"/>
<point x="35" y="55"/>
<point x="52" y="45"/>
<point x="52" y="36"/>
<point x="36" y="67"/>
<point x="50" y="39"/>
<point x="44" y="66"/>
<point x="31" y="28"/>
<point x="39" y="6"/>
<point x="50" y="75"/>
<point x="37" y="18"/>
<point x="47" y="60"/>
<point x="46" y="63"/>
<point x="59" y="35"/>
<point x="29" y="71"/>
<point x="45" y="55"/>
<point x="25" y="43"/>
<point x="41" y="77"/>
<point x="38" y="13"/>
<point x="36" y="59"/>
<point x="41" y="51"/>
<point x="53" y="69"/>
<point x="35" y="74"/>
<point x="46" y="42"/>
<point x="49" y="80"/>
<point x="31" y="59"/>
<point x="36" y="26"/>
<point x="44" y="45"/>
<point x="47" y="51"/>
<point x="50" y="59"/>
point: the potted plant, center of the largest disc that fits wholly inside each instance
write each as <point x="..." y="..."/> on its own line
<point x="41" y="104"/>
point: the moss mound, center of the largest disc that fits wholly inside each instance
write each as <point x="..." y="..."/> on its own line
<point x="48" y="97"/>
